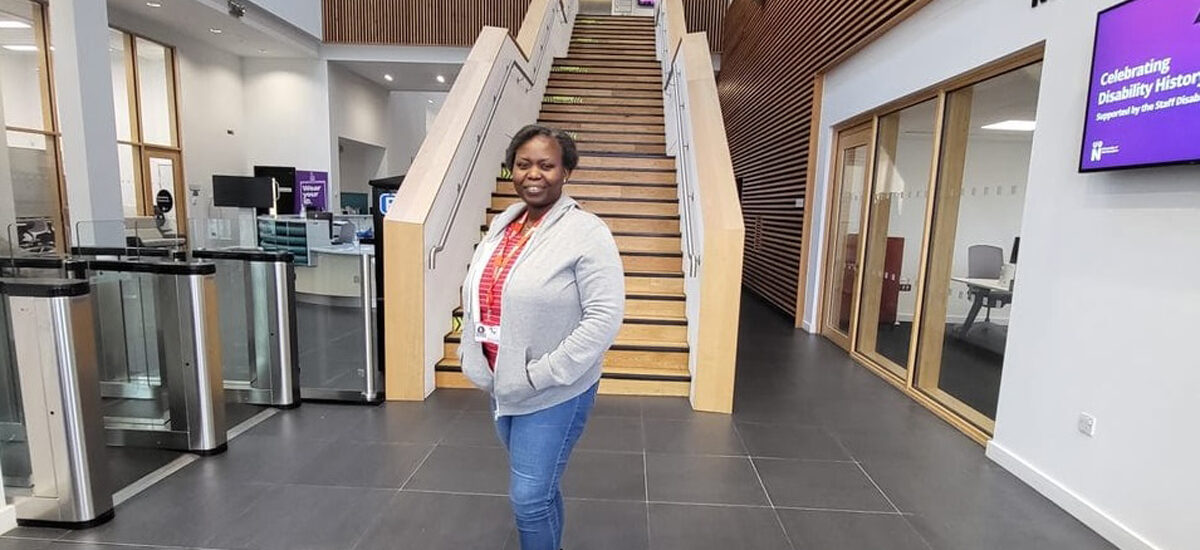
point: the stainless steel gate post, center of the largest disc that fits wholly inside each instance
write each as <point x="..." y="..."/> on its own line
<point x="53" y="342"/>
<point x="372" y="392"/>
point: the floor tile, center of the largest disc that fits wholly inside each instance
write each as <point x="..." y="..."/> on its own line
<point x="463" y="470"/>
<point x="310" y="421"/>
<point x="473" y="429"/>
<point x="616" y="476"/>
<point x="600" y="525"/>
<point x="703" y="479"/>
<point x="47" y="533"/>
<point x="24" y="544"/>
<point x="673" y="408"/>
<point x="685" y="527"/>
<point x="814" y="484"/>
<point x="618" y="405"/>
<point x="787" y="441"/>
<point x="459" y="400"/>
<point x="363" y="464"/>
<point x="432" y="521"/>
<point x="810" y="530"/>
<point x="709" y="434"/>
<point x="265" y="459"/>
<point x="185" y="510"/>
<point x="612" y="433"/>
<point x="403" y="423"/>
<point x="301" y="517"/>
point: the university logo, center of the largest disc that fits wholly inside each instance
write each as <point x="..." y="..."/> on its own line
<point x="1097" y="151"/>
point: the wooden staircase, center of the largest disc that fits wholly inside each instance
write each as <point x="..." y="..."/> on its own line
<point x="607" y="93"/>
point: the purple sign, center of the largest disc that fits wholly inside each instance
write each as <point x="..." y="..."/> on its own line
<point x="313" y="189"/>
<point x="1144" y="95"/>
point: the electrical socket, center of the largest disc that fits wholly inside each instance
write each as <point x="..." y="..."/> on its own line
<point x="1087" y="424"/>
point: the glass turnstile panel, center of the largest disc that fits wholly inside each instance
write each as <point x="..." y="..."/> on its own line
<point x="335" y="324"/>
<point x="14" y="446"/>
<point x="131" y="382"/>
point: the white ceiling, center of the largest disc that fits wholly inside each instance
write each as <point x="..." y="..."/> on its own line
<point x="1011" y="96"/>
<point x="406" y="77"/>
<point x="257" y="34"/>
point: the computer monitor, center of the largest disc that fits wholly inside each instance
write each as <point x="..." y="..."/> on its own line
<point x="243" y="192"/>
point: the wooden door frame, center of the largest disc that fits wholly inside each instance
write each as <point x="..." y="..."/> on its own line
<point x="147" y="187"/>
<point x="861" y="135"/>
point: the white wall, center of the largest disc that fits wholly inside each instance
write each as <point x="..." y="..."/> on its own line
<point x="286" y="113"/>
<point x="304" y="14"/>
<point x="359" y="163"/>
<point x="410" y="114"/>
<point x="358" y="110"/>
<point x="1106" y="299"/>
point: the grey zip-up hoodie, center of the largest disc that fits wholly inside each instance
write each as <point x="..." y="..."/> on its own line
<point x="562" y="305"/>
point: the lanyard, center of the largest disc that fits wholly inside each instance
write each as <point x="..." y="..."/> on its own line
<point x="499" y="261"/>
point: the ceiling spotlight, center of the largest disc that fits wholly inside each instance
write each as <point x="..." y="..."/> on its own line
<point x="430" y="100"/>
<point x="154" y="4"/>
<point x="1013" y="126"/>
<point x="388" y="77"/>
<point x="10" y="24"/>
<point x="441" y="79"/>
<point x="215" y="30"/>
<point x="20" y="47"/>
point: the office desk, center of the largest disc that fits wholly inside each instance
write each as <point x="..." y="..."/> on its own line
<point x="984" y="292"/>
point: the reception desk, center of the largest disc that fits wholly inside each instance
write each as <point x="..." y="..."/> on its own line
<point x="335" y="273"/>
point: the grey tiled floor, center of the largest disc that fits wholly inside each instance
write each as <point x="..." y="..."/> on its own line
<point x="820" y="454"/>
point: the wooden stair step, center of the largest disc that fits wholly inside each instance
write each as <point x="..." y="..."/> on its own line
<point x="652" y="283"/>
<point x="599" y="98"/>
<point x="600" y="175"/>
<point x="618" y="162"/>
<point x="609" y="117"/>
<point x="584" y="51"/>
<point x="630" y="19"/>
<point x="617" y="73"/>
<point x="604" y="206"/>
<point x="625" y="359"/>
<point x="655" y="129"/>
<point x="590" y="61"/>
<point x="623" y="36"/>
<point x="589" y="24"/>
<point x="616" y="380"/>
<point x="617" y="148"/>
<point x="627" y="224"/>
<point x="604" y="78"/>
<point x="606" y="96"/>
<point x="610" y="110"/>
<point x="648" y="244"/>
<point x="652" y="263"/>
<point x="623" y="344"/>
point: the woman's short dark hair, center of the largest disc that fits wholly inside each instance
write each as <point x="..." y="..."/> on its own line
<point x="570" y="157"/>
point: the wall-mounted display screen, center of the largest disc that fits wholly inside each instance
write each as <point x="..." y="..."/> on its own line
<point x="1144" y="95"/>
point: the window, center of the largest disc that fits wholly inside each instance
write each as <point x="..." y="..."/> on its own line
<point x="31" y="185"/>
<point x="144" y="101"/>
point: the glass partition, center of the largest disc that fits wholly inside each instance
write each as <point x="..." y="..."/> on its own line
<point x="131" y="382"/>
<point x="899" y="193"/>
<point x="982" y="173"/>
<point x="14" y="445"/>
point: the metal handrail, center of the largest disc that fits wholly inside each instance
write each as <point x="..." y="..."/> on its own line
<point x="675" y="95"/>
<point x="461" y="189"/>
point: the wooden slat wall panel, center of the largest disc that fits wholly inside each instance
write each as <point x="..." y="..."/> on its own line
<point x="706" y="16"/>
<point x="418" y="22"/>
<point x="772" y="52"/>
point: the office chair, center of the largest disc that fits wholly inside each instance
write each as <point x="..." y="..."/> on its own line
<point x="985" y="261"/>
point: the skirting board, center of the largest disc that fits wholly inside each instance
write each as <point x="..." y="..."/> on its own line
<point x="8" y="518"/>
<point x="1083" y="510"/>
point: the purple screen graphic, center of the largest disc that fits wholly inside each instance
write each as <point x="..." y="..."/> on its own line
<point x="1144" y="94"/>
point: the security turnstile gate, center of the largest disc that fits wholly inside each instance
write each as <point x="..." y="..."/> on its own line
<point x="257" y="303"/>
<point x="51" y="432"/>
<point x="160" y="354"/>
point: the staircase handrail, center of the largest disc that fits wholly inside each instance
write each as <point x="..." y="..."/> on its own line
<point x="498" y="89"/>
<point x="710" y="212"/>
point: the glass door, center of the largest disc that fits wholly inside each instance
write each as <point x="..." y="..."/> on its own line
<point x="903" y="164"/>
<point x="845" y="225"/>
<point x="166" y="197"/>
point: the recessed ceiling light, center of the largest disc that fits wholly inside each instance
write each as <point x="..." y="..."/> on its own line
<point x="215" y="30"/>
<point x="10" y="24"/>
<point x="430" y="100"/>
<point x="1013" y="126"/>
<point x="21" y="47"/>
<point x="388" y="77"/>
<point x="441" y="79"/>
<point x="154" y="4"/>
<point x="260" y="50"/>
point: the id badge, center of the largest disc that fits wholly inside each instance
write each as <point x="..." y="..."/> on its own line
<point x="489" y="334"/>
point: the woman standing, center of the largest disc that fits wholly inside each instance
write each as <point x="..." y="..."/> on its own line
<point x="542" y="302"/>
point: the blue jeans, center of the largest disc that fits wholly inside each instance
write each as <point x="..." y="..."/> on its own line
<point x="539" y="445"/>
